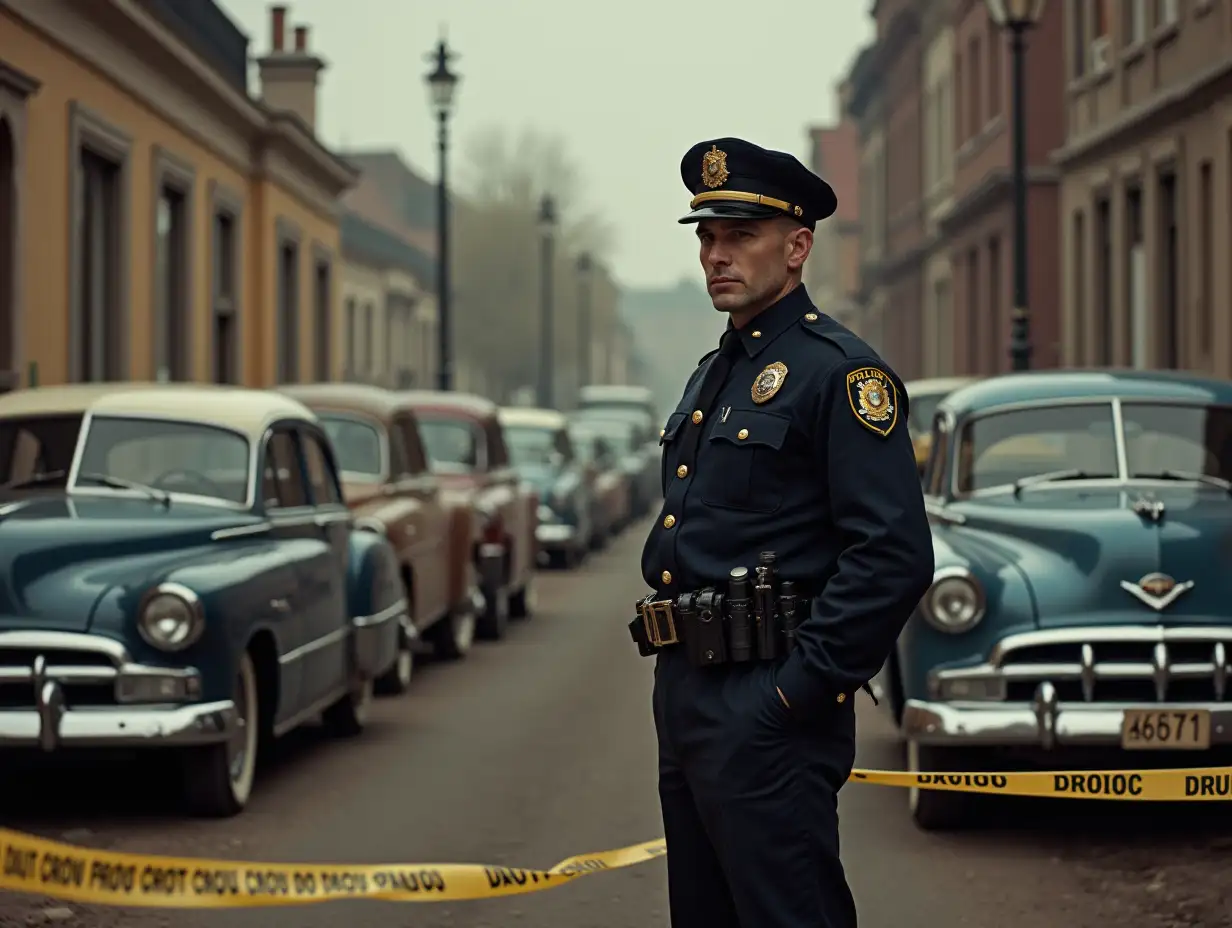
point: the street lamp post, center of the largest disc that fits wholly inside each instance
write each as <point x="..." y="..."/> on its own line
<point x="584" y="267"/>
<point x="1016" y="17"/>
<point x="442" y="83"/>
<point x="547" y="343"/>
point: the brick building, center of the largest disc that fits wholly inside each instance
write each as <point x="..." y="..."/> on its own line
<point x="864" y="101"/>
<point x="1147" y="181"/>
<point x="833" y="270"/>
<point x="980" y="224"/>
<point x="899" y="56"/>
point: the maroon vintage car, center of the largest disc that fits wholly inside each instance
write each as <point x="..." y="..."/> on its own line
<point x="465" y="444"/>
<point x="390" y="489"/>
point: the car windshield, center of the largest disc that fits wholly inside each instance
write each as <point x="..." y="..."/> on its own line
<point x="38" y="447"/>
<point x="452" y="445"/>
<point x="357" y="444"/>
<point x="535" y="447"/>
<point x="175" y="456"/>
<point x="621" y="434"/>
<point x="923" y="408"/>
<point x="1163" y="438"/>
<point x="1002" y="448"/>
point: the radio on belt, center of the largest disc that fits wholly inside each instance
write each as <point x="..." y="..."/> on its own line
<point x="702" y="615"/>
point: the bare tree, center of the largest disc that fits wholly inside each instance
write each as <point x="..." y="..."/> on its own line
<point x="497" y="258"/>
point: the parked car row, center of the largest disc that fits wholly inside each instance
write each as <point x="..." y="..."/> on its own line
<point x="201" y="569"/>
<point x="595" y="470"/>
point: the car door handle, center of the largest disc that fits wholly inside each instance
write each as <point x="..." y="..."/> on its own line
<point x="280" y="605"/>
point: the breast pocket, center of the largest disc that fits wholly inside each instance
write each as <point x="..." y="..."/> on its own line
<point x="743" y="467"/>
<point x="666" y="441"/>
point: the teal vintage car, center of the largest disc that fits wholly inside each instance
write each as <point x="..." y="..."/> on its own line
<point x="178" y="571"/>
<point x="1081" y="608"/>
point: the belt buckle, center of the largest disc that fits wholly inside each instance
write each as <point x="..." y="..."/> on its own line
<point x="655" y="615"/>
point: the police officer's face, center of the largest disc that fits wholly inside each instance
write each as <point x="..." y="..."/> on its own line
<point x="750" y="263"/>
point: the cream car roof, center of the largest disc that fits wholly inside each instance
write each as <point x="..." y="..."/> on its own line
<point x="238" y="408"/>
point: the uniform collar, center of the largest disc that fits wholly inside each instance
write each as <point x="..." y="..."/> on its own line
<point x="774" y="320"/>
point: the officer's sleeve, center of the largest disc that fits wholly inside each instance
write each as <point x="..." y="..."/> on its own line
<point x="886" y="561"/>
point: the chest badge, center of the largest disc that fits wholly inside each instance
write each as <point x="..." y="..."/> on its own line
<point x="769" y="382"/>
<point x="873" y="399"/>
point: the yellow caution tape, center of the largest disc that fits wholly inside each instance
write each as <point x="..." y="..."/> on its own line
<point x="64" y="871"/>
<point x="74" y="874"/>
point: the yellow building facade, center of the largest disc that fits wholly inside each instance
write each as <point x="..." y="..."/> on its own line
<point x="160" y="223"/>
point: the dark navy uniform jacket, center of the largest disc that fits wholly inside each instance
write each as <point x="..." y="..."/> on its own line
<point x="822" y="473"/>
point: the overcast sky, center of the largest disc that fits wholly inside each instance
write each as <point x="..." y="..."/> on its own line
<point x="630" y="84"/>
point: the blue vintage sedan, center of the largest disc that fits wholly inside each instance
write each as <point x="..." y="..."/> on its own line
<point x="178" y="570"/>
<point x="1082" y="602"/>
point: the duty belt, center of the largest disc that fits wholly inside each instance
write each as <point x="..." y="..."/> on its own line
<point x="750" y="622"/>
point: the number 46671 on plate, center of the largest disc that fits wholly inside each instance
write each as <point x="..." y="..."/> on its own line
<point x="1166" y="730"/>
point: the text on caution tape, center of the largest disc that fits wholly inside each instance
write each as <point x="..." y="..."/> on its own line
<point x="35" y="865"/>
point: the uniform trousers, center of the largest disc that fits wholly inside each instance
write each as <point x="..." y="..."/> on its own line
<point x="749" y="793"/>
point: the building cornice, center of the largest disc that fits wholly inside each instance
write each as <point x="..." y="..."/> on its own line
<point x="996" y="186"/>
<point x="1187" y="98"/>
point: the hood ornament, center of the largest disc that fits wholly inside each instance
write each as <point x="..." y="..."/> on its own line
<point x="1159" y="591"/>
<point x="1149" y="508"/>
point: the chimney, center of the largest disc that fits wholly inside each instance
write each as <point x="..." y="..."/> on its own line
<point x="289" y="77"/>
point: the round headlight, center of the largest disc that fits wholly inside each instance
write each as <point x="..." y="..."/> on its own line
<point x="171" y="618"/>
<point x="955" y="601"/>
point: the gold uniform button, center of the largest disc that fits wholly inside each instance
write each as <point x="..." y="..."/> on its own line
<point x="697" y="416"/>
<point x="682" y="471"/>
<point x="669" y="521"/>
<point x="742" y="434"/>
<point x="757" y="335"/>
<point x="811" y="317"/>
<point x="667" y="576"/>
<point x="842" y="697"/>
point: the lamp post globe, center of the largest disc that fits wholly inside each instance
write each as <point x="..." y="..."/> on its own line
<point x="1016" y="14"/>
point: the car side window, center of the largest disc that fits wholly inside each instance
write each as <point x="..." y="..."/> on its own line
<point x="564" y="444"/>
<point x="494" y="440"/>
<point x="321" y="475"/>
<point x="416" y="460"/>
<point x="934" y="478"/>
<point x="283" y="480"/>
<point x="399" y="465"/>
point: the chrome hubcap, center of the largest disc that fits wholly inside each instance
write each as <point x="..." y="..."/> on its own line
<point x="464" y="632"/>
<point x="237" y="747"/>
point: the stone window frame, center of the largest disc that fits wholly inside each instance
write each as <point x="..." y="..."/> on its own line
<point x="323" y="319"/>
<point x="287" y="369"/>
<point x="171" y="172"/>
<point x="16" y="87"/>
<point x="224" y="201"/>
<point x="88" y="131"/>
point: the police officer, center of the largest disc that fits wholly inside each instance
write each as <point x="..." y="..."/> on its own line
<point x="790" y="438"/>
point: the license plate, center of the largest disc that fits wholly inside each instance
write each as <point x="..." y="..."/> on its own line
<point x="1166" y="730"/>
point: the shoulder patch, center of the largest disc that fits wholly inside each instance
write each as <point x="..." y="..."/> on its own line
<point x="873" y="399"/>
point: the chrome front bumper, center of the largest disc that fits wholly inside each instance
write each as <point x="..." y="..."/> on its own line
<point x="50" y="725"/>
<point x="1046" y="723"/>
<point x="75" y="689"/>
<point x="555" y="534"/>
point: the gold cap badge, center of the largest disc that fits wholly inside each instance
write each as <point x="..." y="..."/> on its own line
<point x="769" y="382"/>
<point x="873" y="399"/>
<point x="714" y="167"/>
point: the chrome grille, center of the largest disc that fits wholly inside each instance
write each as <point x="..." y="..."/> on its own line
<point x="1118" y="665"/>
<point x="87" y="677"/>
